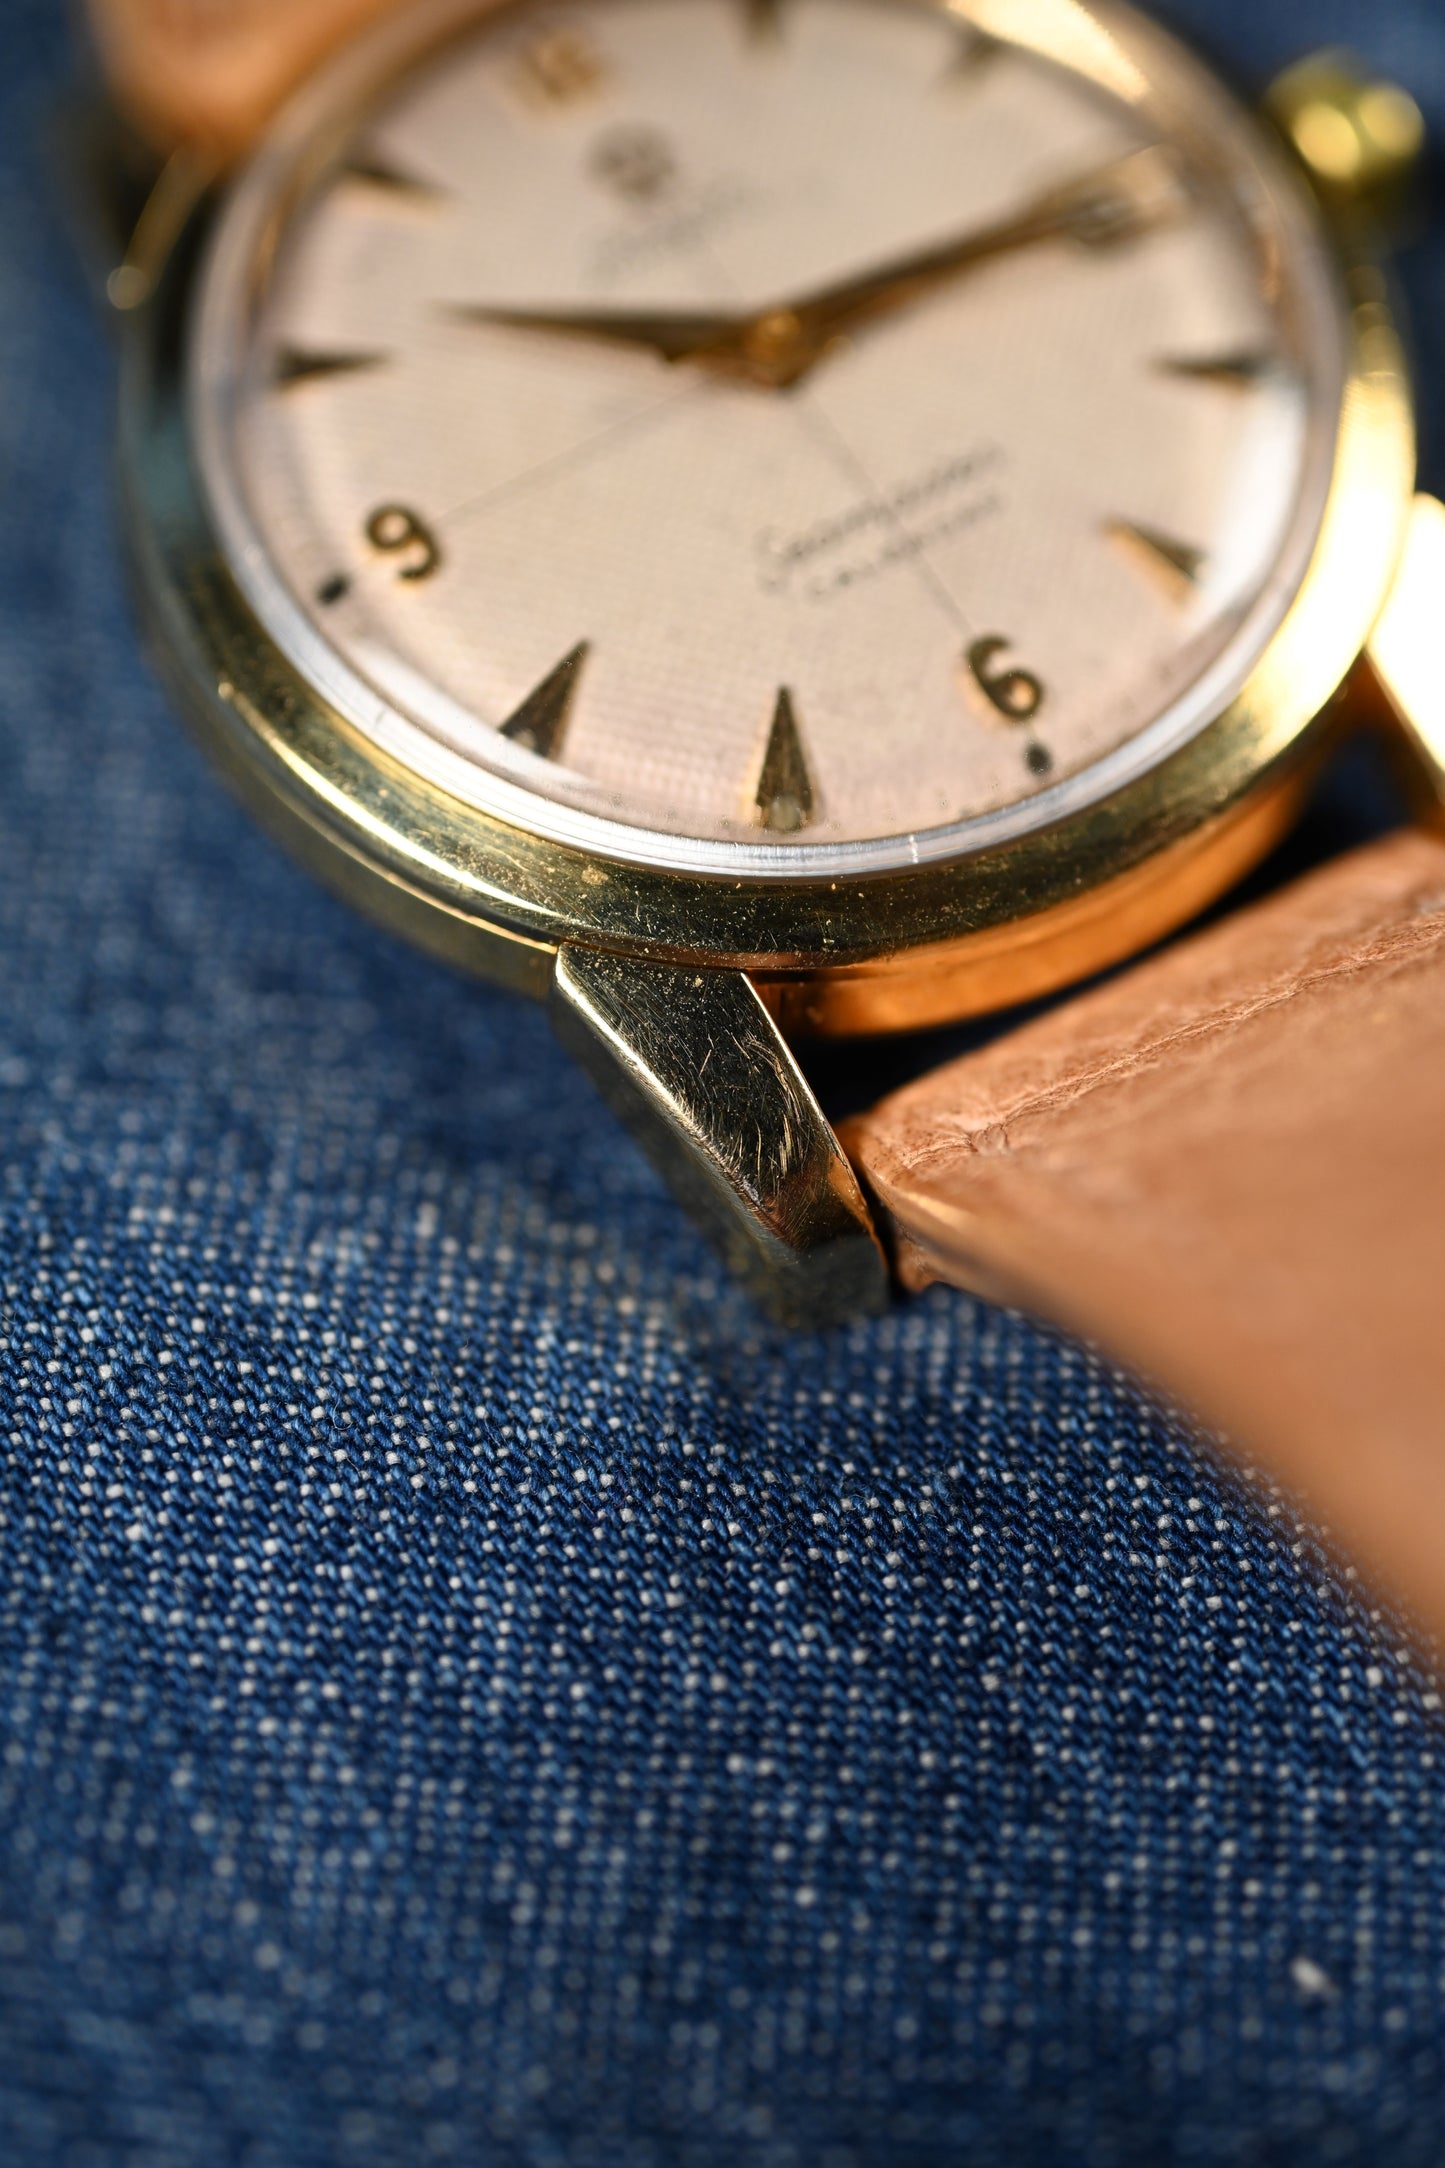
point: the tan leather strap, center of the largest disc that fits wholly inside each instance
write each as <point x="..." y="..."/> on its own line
<point x="1228" y="1168"/>
<point x="208" y="74"/>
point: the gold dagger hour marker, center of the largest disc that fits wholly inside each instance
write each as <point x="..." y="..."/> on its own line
<point x="540" y="723"/>
<point x="559" y="67"/>
<point x="300" y="365"/>
<point x="1176" y="566"/>
<point x="976" y="51"/>
<point x="1232" y="372"/>
<point x="784" y="797"/>
<point x="389" y="180"/>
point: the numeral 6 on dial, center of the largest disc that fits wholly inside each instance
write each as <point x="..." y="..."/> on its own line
<point x="1016" y="694"/>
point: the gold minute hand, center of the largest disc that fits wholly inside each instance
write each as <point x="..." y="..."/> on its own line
<point x="1112" y="203"/>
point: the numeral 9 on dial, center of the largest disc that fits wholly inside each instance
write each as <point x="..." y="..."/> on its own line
<point x="398" y="532"/>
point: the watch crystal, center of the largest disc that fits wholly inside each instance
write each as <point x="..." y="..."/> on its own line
<point x="769" y="438"/>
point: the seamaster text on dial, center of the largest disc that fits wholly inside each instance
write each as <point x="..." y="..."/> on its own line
<point x="884" y="529"/>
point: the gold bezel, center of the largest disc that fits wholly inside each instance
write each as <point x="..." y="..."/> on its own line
<point x="889" y="951"/>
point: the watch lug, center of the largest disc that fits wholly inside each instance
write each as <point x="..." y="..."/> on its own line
<point x="126" y="206"/>
<point x="105" y="173"/>
<point x="1405" y="661"/>
<point x="697" y="1069"/>
<point x="1359" y="137"/>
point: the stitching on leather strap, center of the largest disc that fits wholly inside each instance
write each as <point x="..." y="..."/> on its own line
<point x="1398" y="947"/>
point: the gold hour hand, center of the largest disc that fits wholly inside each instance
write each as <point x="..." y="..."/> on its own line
<point x="675" y="335"/>
<point x="778" y="346"/>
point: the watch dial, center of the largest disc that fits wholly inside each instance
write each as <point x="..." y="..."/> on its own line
<point x="769" y="436"/>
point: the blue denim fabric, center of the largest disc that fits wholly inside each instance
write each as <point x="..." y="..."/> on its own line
<point x="468" y="1691"/>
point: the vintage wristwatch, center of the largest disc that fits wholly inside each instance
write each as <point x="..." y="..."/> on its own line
<point x="750" y="521"/>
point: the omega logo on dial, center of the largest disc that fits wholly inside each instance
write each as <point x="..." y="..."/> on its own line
<point x="728" y="432"/>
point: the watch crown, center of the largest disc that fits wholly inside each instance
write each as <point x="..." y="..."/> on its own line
<point x="1359" y="136"/>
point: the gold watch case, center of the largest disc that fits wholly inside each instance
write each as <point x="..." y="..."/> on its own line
<point x="887" y="952"/>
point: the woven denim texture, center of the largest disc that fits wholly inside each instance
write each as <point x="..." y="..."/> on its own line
<point x="468" y="1691"/>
